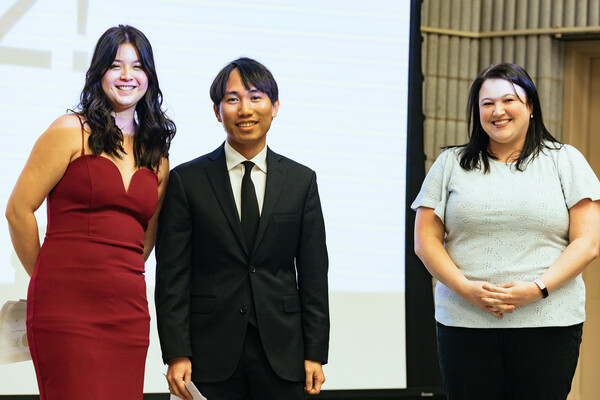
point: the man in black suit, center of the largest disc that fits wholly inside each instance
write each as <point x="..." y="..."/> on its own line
<point x="241" y="281"/>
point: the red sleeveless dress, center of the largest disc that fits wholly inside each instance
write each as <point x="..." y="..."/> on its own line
<point x="87" y="314"/>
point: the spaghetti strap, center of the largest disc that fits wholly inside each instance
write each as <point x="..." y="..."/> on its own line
<point x="82" y="136"/>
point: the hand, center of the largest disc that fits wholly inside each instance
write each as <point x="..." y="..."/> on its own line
<point x="180" y="371"/>
<point x="314" y="376"/>
<point x="491" y="298"/>
<point x="522" y="292"/>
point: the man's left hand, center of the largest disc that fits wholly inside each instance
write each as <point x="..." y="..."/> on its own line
<point x="314" y="376"/>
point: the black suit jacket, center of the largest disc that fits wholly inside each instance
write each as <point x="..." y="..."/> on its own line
<point x="206" y="279"/>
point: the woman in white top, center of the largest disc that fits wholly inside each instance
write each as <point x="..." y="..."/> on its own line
<point x="507" y="223"/>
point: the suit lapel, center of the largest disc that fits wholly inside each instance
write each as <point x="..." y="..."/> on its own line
<point x="218" y="176"/>
<point x="275" y="178"/>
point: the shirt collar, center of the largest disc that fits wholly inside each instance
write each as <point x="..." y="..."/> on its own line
<point x="233" y="158"/>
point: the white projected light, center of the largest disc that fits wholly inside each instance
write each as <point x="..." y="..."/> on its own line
<point x="342" y="70"/>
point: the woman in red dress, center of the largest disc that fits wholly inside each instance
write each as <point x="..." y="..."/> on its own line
<point x="103" y="170"/>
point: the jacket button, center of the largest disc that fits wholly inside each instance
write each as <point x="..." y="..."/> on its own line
<point x="243" y="309"/>
<point x="252" y="268"/>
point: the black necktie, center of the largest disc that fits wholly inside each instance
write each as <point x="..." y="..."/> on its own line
<point x="250" y="215"/>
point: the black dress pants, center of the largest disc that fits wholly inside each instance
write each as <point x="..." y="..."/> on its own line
<point x="253" y="378"/>
<point x="508" y="364"/>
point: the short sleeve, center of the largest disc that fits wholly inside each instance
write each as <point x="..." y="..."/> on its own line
<point x="434" y="191"/>
<point x="577" y="178"/>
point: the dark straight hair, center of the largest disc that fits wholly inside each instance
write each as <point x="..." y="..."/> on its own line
<point x="155" y="131"/>
<point x="476" y="150"/>
<point x="252" y="73"/>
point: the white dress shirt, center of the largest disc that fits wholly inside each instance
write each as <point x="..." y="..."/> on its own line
<point x="236" y="170"/>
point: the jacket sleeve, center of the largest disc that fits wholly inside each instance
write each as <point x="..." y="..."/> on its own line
<point x="312" y="267"/>
<point x="173" y="272"/>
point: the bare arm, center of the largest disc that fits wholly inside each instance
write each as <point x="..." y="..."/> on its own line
<point x="429" y="247"/>
<point x="150" y="234"/>
<point x="47" y="163"/>
<point x="584" y="238"/>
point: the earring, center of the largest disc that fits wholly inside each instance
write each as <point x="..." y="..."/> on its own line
<point x="531" y="116"/>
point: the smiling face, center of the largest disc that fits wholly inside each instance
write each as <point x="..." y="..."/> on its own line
<point x="125" y="81"/>
<point x="246" y="115"/>
<point x="504" y="114"/>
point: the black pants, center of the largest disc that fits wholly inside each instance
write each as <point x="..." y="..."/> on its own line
<point x="508" y="364"/>
<point x="253" y="379"/>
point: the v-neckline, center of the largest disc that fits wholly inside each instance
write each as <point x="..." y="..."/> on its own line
<point x="125" y="186"/>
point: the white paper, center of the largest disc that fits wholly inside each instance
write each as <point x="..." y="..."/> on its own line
<point x="193" y="391"/>
<point x="13" y="332"/>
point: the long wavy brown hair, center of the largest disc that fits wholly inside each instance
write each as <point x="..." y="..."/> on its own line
<point x="155" y="130"/>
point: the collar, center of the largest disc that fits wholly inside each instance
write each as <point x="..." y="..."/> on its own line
<point x="233" y="158"/>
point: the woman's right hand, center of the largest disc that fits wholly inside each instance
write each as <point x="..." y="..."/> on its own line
<point x="488" y="297"/>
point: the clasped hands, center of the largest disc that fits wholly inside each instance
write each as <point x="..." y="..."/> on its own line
<point x="502" y="298"/>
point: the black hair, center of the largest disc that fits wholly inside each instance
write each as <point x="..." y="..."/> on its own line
<point x="155" y="131"/>
<point x="252" y="73"/>
<point x="476" y="150"/>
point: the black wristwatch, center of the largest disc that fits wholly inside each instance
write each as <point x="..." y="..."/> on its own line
<point x="542" y="287"/>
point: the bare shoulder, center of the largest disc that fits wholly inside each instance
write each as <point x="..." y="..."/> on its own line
<point x="67" y="121"/>
<point x="64" y="133"/>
